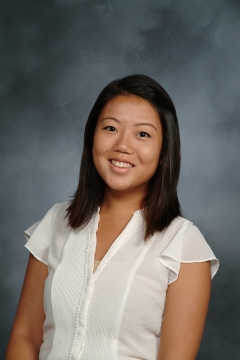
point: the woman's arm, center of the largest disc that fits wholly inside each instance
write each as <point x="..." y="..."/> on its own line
<point x="27" y="331"/>
<point x="185" y="312"/>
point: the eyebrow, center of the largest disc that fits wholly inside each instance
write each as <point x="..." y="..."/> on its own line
<point x="148" y="124"/>
<point x="142" y="123"/>
<point x="110" y="118"/>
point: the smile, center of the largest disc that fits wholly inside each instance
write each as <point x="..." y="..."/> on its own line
<point x="121" y="164"/>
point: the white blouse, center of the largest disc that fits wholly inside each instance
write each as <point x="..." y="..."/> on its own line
<point x="115" y="312"/>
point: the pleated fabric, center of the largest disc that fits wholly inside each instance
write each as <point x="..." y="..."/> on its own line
<point x="116" y="311"/>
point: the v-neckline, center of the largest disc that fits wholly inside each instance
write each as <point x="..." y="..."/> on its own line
<point x="117" y="243"/>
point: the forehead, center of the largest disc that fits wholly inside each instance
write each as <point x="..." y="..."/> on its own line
<point x="129" y="107"/>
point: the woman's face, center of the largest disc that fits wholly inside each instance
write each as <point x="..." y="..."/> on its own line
<point x="127" y="143"/>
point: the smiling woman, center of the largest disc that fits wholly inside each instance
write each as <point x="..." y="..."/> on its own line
<point x="117" y="273"/>
<point x="127" y="144"/>
<point x="160" y="205"/>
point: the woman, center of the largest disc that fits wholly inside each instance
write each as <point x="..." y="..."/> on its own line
<point x="122" y="274"/>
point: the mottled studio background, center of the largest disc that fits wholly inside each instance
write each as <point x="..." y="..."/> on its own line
<point x="56" y="57"/>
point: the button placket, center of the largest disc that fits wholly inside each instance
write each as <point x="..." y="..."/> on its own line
<point x="86" y="319"/>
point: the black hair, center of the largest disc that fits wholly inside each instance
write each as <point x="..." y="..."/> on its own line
<point x="160" y="204"/>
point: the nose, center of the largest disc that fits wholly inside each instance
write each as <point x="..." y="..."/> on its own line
<point x="123" y="144"/>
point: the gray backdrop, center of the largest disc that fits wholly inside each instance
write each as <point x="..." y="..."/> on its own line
<point x="57" y="56"/>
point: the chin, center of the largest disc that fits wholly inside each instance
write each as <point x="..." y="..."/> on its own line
<point x="125" y="188"/>
<point x="119" y="188"/>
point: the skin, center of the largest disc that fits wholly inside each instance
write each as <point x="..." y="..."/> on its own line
<point x="27" y="332"/>
<point x="117" y="137"/>
<point x="129" y="130"/>
<point x="184" y="319"/>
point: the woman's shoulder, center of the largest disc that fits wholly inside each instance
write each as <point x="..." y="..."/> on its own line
<point x="185" y="244"/>
<point x="178" y="225"/>
<point x="61" y="209"/>
<point x="185" y="234"/>
<point x="54" y="225"/>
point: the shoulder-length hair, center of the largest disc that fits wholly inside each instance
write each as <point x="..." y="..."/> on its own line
<point x="160" y="204"/>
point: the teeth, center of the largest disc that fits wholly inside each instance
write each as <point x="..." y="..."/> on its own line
<point x="121" y="164"/>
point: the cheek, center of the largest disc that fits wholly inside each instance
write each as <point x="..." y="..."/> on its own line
<point x="100" y="143"/>
<point x="99" y="151"/>
<point x="95" y="152"/>
<point x="96" y="145"/>
<point x="151" y="155"/>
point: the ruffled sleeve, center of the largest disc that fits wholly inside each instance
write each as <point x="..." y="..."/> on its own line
<point x="187" y="246"/>
<point x="39" y="236"/>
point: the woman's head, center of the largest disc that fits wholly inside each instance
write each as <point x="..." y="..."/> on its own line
<point x="127" y="145"/>
<point x="160" y="202"/>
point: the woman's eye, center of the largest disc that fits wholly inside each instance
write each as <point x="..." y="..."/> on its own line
<point x="143" y="134"/>
<point x="110" y="128"/>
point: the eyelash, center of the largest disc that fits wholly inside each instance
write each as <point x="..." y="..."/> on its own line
<point x="112" y="129"/>
<point x="144" y="132"/>
<point x="108" y="128"/>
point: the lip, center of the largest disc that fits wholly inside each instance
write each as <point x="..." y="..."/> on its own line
<point x="121" y="160"/>
<point x="120" y="169"/>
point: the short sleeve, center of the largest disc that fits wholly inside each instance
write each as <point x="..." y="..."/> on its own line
<point x="39" y="236"/>
<point x="187" y="246"/>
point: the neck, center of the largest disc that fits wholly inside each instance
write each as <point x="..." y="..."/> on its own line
<point x="121" y="202"/>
